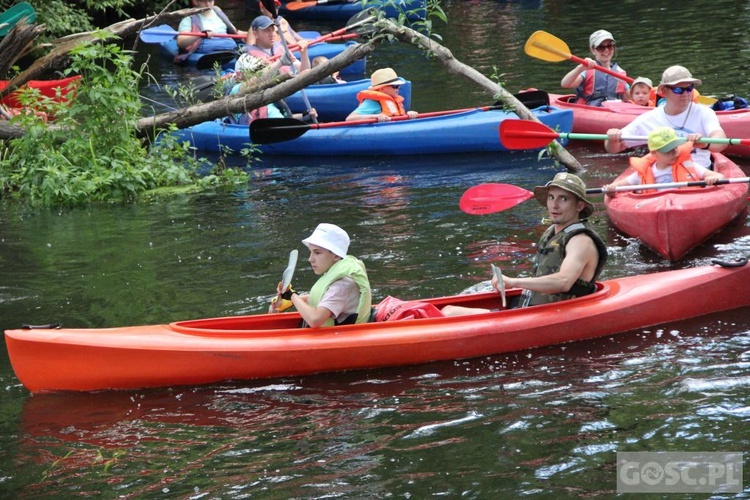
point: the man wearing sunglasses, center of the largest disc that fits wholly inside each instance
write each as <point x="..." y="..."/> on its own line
<point x="593" y="87"/>
<point x="680" y="113"/>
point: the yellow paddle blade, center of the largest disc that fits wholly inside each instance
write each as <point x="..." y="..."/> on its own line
<point x="547" y="47"/>
<point x="708" y="101"/>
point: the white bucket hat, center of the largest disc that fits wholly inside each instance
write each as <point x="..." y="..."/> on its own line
<point x="330" y="237"/>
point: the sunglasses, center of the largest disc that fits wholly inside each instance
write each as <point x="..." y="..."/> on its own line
<point x="682" y="90"/>
<point x="602" y="48"/>
<point x="395" y="86"/>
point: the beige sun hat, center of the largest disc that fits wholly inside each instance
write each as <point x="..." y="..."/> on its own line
<point x="674" y="75"/>
<point x="385" y="76"/>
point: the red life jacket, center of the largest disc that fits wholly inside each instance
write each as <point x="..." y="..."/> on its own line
<point x="599" y="87"/>
<point x="682" y="168"/>
<point x="259" y="53"/>
<point x="389" y="106"/>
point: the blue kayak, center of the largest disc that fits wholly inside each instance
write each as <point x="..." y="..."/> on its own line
<point x="329" y="50"/>
<point x="469" y="131"/>
<point x="337" y="10"/>
<point x="335" y="101"/>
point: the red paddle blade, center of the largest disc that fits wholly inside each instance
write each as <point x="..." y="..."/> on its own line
<point x="491" y="198"/>
<point x="525" y="134"/>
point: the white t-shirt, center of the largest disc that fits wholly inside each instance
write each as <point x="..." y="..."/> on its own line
<point x="341" y="298"/>
<point x="211" y="23"/>
<point x="697" y="118"/>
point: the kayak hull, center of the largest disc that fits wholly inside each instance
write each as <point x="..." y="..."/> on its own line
<point x="335" y="101"/>
<point x="616" y="114"/>
<point x="471" y="131"/>
<point x="265" y="346"/>
<point x="672" y="222"/>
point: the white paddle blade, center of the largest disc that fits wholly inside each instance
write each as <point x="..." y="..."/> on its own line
<point x="500" y="284"/>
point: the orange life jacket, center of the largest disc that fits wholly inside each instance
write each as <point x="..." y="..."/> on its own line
<point x="682" y="168"/>
<point x="389" y="106"/>
<point x="651" y="104"/>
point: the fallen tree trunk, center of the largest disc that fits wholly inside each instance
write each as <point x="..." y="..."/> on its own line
<point x="453" y="65"/>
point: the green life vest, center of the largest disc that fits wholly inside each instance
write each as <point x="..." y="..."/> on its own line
<point x="354" y="268"/>
<point x="549" y="258"/>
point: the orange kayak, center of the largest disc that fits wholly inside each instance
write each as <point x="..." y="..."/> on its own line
<point x="674" y="221"/>
<point x="270" y="345"/>
<point x="617" y="114"/>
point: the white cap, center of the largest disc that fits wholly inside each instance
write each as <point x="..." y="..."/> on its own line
<point x="599" y="36"/>
<point x="330" y="237"/>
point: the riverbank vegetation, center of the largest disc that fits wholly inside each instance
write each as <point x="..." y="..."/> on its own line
<point x="86" y="150"/>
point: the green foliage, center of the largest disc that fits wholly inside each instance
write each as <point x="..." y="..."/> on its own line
<point x="62" y="18"/>
<point x="90" y="152"/>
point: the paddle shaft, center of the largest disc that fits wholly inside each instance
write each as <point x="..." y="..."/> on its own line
<point x="270" y="130"/>
<point x="164" y="33"/>
<point x="668" y="185"/>
<point x="524" y="134"/>
<point x="324" y="38"/>
<point x="603" y="137"/>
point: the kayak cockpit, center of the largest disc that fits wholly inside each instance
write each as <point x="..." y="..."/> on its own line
<point x="289" y="323"/>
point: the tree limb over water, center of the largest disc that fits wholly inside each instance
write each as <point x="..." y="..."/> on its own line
<point x="272" y="90"/>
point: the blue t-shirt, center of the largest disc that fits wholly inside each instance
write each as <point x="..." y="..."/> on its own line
<point x="368" y="107"/>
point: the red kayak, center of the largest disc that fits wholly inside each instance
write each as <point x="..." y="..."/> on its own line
<point x="617" y="114"/>
<point x="54" y="89"/>
<point x="674" y="221"/>
<point x="270" y="345"/>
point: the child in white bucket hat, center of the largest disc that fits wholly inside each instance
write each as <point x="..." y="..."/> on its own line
<point x="342" y="293"/>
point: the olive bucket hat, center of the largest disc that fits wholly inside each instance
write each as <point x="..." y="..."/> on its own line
<point x="570" y="183"/>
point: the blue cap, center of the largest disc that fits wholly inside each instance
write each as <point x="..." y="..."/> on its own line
<point x="261" y="23"/>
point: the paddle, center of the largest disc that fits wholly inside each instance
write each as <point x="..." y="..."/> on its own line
<point x="270" y="130"/>
<point x="286" y="280"/>
<point x="19" y="12"/>
<point x="164" y="33"/>
<point x="270" y="5"/>
<point x="548" y="47"/>
<point x="524" y="134"/>
<point x="311" y="3"/>
<point x="500" y="284"/>
<point x="493" y="197"/>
